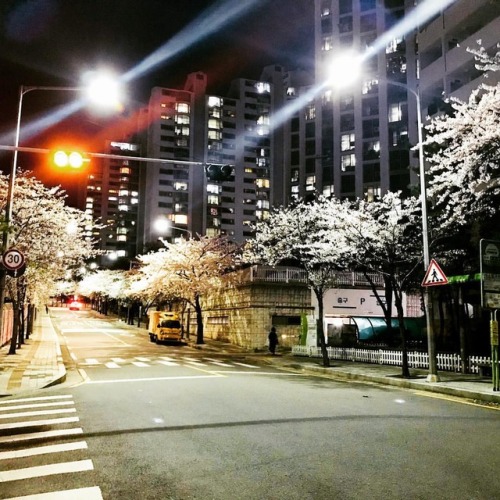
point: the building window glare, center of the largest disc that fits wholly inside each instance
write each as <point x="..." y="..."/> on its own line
<point x="182" y="107"/>
<point x="263" y="87"/>
<point x="180" y="186"/>
<point x="311" y="112"/>
<point x="370" y="86"/>
<point x="214" y="101"/>
<point x="348" y="162"/>
<point x="213" y="188"/>
<point x="395" y="112"/>
<point x="347" y="142"/>
<point x="180" y="219"/>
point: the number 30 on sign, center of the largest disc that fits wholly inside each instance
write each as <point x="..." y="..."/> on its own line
<point x="13" y="259"/>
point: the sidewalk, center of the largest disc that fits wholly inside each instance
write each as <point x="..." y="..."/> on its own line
<point x="36" y="365"/>
<point x="39" y="364"/>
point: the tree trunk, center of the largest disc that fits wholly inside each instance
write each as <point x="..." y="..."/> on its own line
<point x="31" y="319"/>
<point x="199" y="321"/>
<point x="319" y="326"/>
<point x="15" y="328"/>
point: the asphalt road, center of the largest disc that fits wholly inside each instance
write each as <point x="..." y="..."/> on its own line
<point x="171" y="422"/>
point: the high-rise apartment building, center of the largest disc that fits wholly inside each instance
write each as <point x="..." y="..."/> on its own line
<point x="364" y="132"/>
<point x="196" y="135"/>
<point x="112" y="200"/>
<point x="446" y="67"/>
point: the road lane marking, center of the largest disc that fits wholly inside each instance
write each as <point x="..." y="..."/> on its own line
<point x="166" y="358"/>
<point x="140" y="364"/>
<point x="167" y="363"/>
<point x="219" y="363"/>
<point x="39" y="398"/>
<point x="244" y="364"/>
<point x="35" y="423"/>
<point x="91" y="361"/>
<point x="155" y="379"/>
<point x="196" y="363"/>
<point x="455" y="399"/>
<point x="112" y="364"/>
<point x="92" y="493"/>
<point x="142" y="359"/>
<point x="43" y="450"/>
<point x="46" y="470"/>
<point x="40" y="435"/>
<point x="118" y="360"/>
<point x="116" y="338"/>
<point x="37" y="413"/>
<point x="37" y="405"/>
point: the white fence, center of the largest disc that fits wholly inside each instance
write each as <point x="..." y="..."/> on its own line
<point x="446" y="362"/>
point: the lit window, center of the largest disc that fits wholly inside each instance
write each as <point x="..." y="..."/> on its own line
<point x="134" y="201"/>
<point x="125" y="170"/>
<point x="310" y="112"/>
<point x="369" y="86"/>
<point x="294" y="177"/>
<point x="393" y="45"/>
<point x="310" y="182"/>
<point x="348" y="162"/>
<point x="213" y="188"/>
<point x="121" y="253"/>
<point x="214" y="101"/>
<point x="212" y="199"/>
<point x="263" y="120"/>
<point x="290" y="91"/>
<point x="327" y="190"/>
<point x="121" y="237"/>
<point x="294" y="189"/>
<point x="180" y="186"/>
<point x="214" y="135"/>
<point x="181" y="130"/>
<point x="123" y="192"/>
<point x="347" y="142"/>
<point x="327" y="43"/>
<point x="214" y="123"/>
<point x="123" y="208"/>
<point x="395" y="112"/>
<point x="372" y="193"/>
<point x="262" y="183"/>
<point x="180" y="219"/>
<point x="182" y="107"/>
<point x="262" y="204"/>
<point x="263" y="87"/>
<point x="182" y="119"/>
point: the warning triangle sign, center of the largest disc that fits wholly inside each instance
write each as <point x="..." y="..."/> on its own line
<point x="434" y="275"/>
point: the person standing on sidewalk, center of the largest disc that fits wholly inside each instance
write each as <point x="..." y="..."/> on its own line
<point x="273" y="340"/>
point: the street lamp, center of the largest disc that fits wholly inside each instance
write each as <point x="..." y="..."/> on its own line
<point x="344" y="69"/>
<point x="96" y="97"/>
<point x="431" y="347"/>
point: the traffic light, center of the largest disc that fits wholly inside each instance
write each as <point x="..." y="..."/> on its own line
<point x="75" y="159"/>
<point x="219" y="173"/>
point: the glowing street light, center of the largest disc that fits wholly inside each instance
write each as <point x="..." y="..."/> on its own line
<point x="345" y="69"/>
<point x="23" y="90"/>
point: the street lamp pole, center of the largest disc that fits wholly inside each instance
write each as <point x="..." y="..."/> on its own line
<point x="431" y="341"/>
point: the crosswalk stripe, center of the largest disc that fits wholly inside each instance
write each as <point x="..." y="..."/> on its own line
<point x="140" y="363"/>
<point x="166" y="358"/>
<point x="244" y="364"/>
<point x="112" y="364"/>
<point x="40" y="435"/>
<point x="46" y="470"/>
<point x="92" y="493"/>
<point x="118" y="360"/>
<point x="43" y="450"/>
<point x="142" y="359"/>
<point x="92" y="361"/>
<point x="33" y="423"/>
<point x="196" y="363"/>
<point x="219" y="363"/>
<point x="37" y="413"/>
<point x="167" y="363"/>
<point x="36" y="405"/>
<point x="40" y="398"/>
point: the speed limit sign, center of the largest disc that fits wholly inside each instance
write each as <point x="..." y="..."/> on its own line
<point x="13" y="259"/>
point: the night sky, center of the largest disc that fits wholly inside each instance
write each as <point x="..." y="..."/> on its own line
<point x="51" y="42"/>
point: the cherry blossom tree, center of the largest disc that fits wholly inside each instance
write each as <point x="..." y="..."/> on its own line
<point x="51" y="236"/>
<point x="190" y="269"/>
<point x="385" y="237"/>
<point x="464" y="173"/>
<point x="304" y="235"/>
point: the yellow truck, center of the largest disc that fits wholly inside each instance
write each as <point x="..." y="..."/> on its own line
<point x="164" y="326"/>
